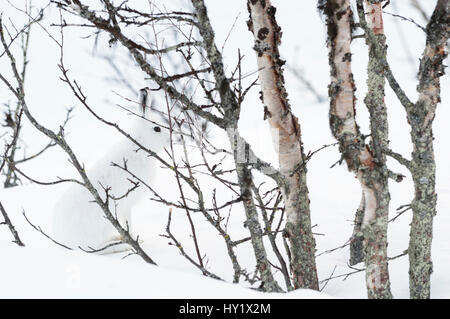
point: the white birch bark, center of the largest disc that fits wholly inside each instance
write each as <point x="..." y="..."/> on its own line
<point x="358" y="155"/>
<point x="287" y="142"/>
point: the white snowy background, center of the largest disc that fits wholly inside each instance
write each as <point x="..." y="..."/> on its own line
<point x="42" y="269"/>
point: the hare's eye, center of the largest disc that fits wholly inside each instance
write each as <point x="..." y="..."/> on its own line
<point x="157" y="129"/>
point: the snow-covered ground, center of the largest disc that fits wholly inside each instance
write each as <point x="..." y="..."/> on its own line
<point x="52" y="273"/>
<point x="44" y="270"/>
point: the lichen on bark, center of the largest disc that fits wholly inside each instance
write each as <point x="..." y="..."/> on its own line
<point x="423" y="166"/>
<point x="420" y="116"/>
<point x="288" y="143"/>
<point x="366" y="161"/>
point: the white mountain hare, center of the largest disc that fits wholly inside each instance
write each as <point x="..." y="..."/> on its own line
<point x="78" y="221"/>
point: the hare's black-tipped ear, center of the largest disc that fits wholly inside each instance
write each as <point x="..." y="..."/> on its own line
<point x="144" y="99"/>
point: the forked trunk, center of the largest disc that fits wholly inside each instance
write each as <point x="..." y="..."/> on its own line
<point x="360" y="158"/>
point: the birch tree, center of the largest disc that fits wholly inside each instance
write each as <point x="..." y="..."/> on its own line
<point x="366" y="163"/>
<point x="286" y="136"/>
<point x="420" y="116"/>
<point x="115" y="19"/>
<point x="374" y="101"/>
<point x="423" y="167"/>
<point x="201" y="85"/>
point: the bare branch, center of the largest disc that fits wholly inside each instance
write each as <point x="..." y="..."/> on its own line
<point x="12" y="229"/>
<point x="39" y="229"/>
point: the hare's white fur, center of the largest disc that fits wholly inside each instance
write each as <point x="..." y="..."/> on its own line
<point x="80" y="222"/>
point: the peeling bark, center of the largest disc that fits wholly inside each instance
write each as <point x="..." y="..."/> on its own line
<point x="244" y="176"/>
<point x="286" y="137"/>
<point x="366" y="161"/>
<point x="420" y="116"/>
<point x="423" y="166"/>
<point x="374" y="101"/>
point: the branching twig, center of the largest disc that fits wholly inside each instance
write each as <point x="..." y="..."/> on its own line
<point x="11" y="227"/>
<point x="183" y="252"/>
<point x="39" y="229"/>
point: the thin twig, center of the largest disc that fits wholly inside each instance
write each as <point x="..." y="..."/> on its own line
<point x="11" y="227"/>
<point x="39" y="229"/>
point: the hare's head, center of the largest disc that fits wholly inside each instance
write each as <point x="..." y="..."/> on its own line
<point x="152" y="130"/>
<point x="157" y="137"/>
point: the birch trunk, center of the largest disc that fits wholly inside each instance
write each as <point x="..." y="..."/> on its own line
<point x="244" y="176"/>
<point x="420" y="117"/>
<point x="359" y="157"/>
<point x="423" y="166"/>
<point x="286" y="137"/>
<point x="269" y="284"/>
<point x="374" y="100"/>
